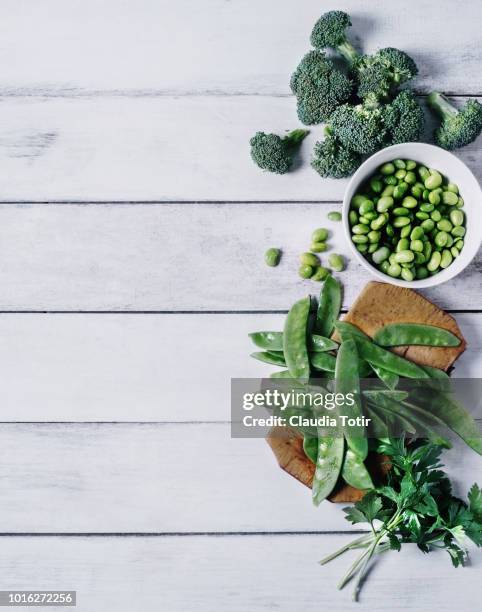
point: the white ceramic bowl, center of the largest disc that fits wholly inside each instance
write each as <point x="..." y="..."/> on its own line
<point x="452" y="168"/>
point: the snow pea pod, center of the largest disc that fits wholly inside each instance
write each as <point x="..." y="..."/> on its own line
<point x="455" y="416"/>
<point x="348" y="382"/>
<point x="272" y="357"/>
<point x="273" y="341"/>
<point x="348" y="330"/>
<point x="310" y="446"/>
<point x="281" y="374"/>
<point x="388" y="378"/>
<point x="376" y="355"/>
<point x="401" y="334"/>
<point x="355" y="473"/>
<point x="329" y="462"/>
<point x="294" y="339"/>
<point x="323" y="361"/>
<point x="377" y="427"/>
<point x="329" y="307"/>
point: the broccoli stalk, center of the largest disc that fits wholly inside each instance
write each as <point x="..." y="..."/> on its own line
<point x="275" y="154"/>
<point x="330" y="31"/>
<point x="459" y="127"/>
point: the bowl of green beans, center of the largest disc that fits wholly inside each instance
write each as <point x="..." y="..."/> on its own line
<point x="410" y="215"/>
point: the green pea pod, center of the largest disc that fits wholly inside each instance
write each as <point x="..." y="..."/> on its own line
<point x="348" y="382"/>
<point x="388" y="378"/>
<point x="455" y="416"/>
<point x="329" y="462"/>
<point x="355" y="473"/>
<point x="376" y="355"/>
<point x="294" y="339"/>
<point x="270" y="357"/>
<point x="385" y="394"/>
<point x="378" y="427"/>
<point x="401" y="334"/>
<point x="323" y="361"/>
<point x="273" y="341"/>
<point x="281" y="374"/>
<point x="310" y="446"/>
<point x="329" y="307"/>
<point x="440" y="376"/>
<point x="348" y="330"/>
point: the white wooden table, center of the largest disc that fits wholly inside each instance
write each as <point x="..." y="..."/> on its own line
<point x="132" y="229"/>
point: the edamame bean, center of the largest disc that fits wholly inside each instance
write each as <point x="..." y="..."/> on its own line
<point x="453" y="188"/>
<point x="306" y="271"/>
<point x="394" y="270"/>
<point x="436" y="216"/>
<point x="401" y="221"/>
<point x="402" y="245"/>
<point x="387" y="169"/>
<point x="336" y="262"/>
<point x="321" y="273"/>
<point x="400" y="174"/>
<point x="407" y="274"/>
<point x="446" y="259"/>
<point x="434" y="198"/>
<point x="410" y="178"/>
<point x="308" y="259"/>
<point x="388" y="191"/>
<point x="410" y="164"/>
<point x="460" y="203"/>
<point x="405" y="256"/>
<point x="457" y="217"/>
<point x="417" y="233"/>
<point x="376" y="185"/>
<point x="390" y="180"/>
<point x="360" y="238"/>
<point x="272" y="257"/>
<point x="416" y="245"/>
<point x="400" y="190"/>
<point x="379" y="222"/>
<point x="334" y="215"/>
<point x="353" y="217"/>
<point x="374" y="236"/>
<point x="434" y="180"/>
<point x="319" y="247"/>
<point x="428" y="225"/>
<point x="422" y="216"/>
<point x="381" y="255"/>
<point x="409" y="202"/>
<point x="459" y="244"/>
<point x="357" y="200"/>
<point x="366" y="207"/>
<point x="362" y="248"/>
<point x="405" y="231"/>
<point x="384" y="204"/>
<point x="427" y="208"/>
<point x="449" y="198"/>
<point x="399" y="163"/>
<point x="455" y="252"/>
<point x="458" y="231"/>
<point x="444" y="225"/>
<point x="441" y="239"/>
<point x="361" y="228"/>
<point x="423" y="173"/>
<point x="321" y="234"/>
<point x="421" y="273"/>
<point x="434" y="262"/>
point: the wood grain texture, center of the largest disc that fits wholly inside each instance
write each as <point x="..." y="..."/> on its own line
<point x="193" y="148"/>
<point x="161" y="478"/>
<point x="232" y="573"/>
<point x="175" y="257"/>
<point x="133" y="367"/>
<point x="153" y="47"/>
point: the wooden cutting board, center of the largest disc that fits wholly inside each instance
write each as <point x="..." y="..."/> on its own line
<point x="377" y="305"/>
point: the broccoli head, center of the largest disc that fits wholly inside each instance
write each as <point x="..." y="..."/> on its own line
<point x="273" y="153"/>
<point x="358" y="128"/>
<point x="332" y="159"/>
<point x="319" y="88"/>
<point x="330" y="31"/>
<point x="459" y="127"/>
<point x="404" y="119"/>
<point x="380" y="74"/>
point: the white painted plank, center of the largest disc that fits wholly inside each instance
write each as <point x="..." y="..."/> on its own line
<point x="133" y="367"/>
<point x="164" y="149"/>
<point x="162" y="478"/>
<point x="233" y="573"/>
<point x="157" y="46"/>
<point x="174" y="257"/>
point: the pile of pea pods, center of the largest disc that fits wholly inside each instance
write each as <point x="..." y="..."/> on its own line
<point x="407" y="220"/>
<point x="317" y="351"/>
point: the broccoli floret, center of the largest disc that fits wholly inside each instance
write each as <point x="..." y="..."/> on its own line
<point x="330" y="31"/>
<point x="332" y="159"/>
<point x="459" y="127"/>
<point x="319" y="88"/>
<point x="273" y="153"/>
<point x="380" y="74"/>
<point x="404" y="119"/>
<point x="359" y="128"/>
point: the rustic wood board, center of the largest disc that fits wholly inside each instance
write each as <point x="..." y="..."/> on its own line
<point x="378" y="304"/>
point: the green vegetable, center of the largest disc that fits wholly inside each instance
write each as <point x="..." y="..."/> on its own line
<point x="458" y="128"/>
<point x="329" y="307"/>
<point x="416" y="506"/>
<point x="348" y="382"/>
<point x="320" y="274"/>
<point x="359" y="128"/>
<point x="308" y="259"/>
<point x="270" y="357"/>
<point x="405" y="122"/>
<point x="398" y="334"/>
<point x="306" y="271"/>
<point x="334" y="215"/>
<point x="329" y="462"/>
<point x="330" y="31"/>
<point x="319" y="235"/>
<point x="389" y="378"/>
<point x="273" y="341"/>
<point x="323" y="361"/>
<point x="295" y="340"/>
<point x="275" y="154"/>
<point x="336" y="262"/>
<point x="310" y="446"/>
<point x="272" y="257"/>
<point x="319" y="88"/>
<point x="355" y="473"/>
<point x="332" y="159"/>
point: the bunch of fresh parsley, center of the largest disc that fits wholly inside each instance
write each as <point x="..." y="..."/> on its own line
<point x="416" y="506"/>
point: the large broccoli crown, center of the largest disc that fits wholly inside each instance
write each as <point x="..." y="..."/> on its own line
<point x="330" y="29"/>
<point x="379" y="74"/>
<point x="332" y="159"/>
<point x="359" y="128"/>
<point x="404" y="119"/>
<point x="461" y="128"/>
<point x="275" y="154"/>
<point x="319" y="88"/>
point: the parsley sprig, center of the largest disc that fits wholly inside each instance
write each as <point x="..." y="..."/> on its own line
<point x="416" y="506"/>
